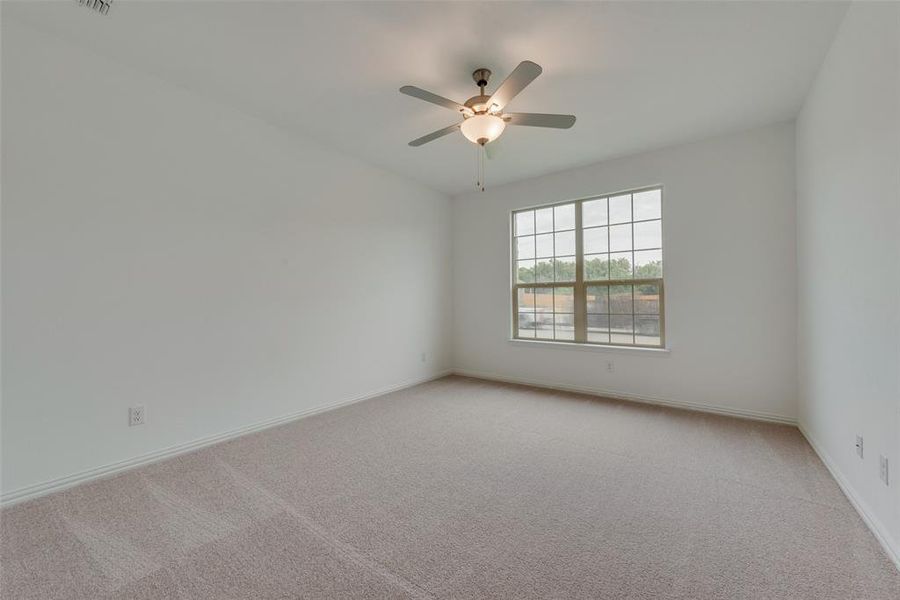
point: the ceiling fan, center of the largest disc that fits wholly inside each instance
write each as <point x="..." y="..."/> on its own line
<point x="483" y="116"/>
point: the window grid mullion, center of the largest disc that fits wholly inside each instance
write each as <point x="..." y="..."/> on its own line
<point x="608" y="248"/>
<point x="580" y="290"/>
<point x="633" y="269"/>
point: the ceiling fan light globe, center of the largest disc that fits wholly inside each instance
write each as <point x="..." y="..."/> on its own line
<point x="482" y="129"/>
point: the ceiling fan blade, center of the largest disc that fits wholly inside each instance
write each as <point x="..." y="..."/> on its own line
<point x="434" y="135"/>
<point x="521" y="76"/>
<point x="540" y="120"/>
<point x="411" y="90"/>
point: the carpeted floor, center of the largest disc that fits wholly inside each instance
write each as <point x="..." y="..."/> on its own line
<point x="461" y="488"/>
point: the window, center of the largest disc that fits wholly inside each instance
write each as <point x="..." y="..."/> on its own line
<point x="590" y="271"/>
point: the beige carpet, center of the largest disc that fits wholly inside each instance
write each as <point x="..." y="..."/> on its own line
<point x="461" y="489"/>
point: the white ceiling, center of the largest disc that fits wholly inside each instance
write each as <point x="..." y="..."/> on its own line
<point x="638" y="75"/>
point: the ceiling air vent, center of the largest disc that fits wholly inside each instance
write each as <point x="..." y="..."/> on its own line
<point x="101" y="6"/>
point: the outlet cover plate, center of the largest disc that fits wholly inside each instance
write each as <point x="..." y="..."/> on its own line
<point x="137" y="415"/>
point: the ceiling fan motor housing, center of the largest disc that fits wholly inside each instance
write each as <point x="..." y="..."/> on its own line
<point x="478" y="104"/>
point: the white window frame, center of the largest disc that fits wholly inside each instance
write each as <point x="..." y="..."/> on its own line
<point x="581" y="284"/>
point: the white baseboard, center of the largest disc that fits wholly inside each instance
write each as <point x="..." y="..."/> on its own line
<point x="875" y="526"/>
<point x="55" y="485"/>
<point x="618" y="395"/>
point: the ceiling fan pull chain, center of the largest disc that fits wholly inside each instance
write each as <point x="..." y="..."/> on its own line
<point x="478" y="167"/>
<point x="477" y="171"/>
<point x="482" y="167"/>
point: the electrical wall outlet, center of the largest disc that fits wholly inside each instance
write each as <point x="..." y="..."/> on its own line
<point x="136" y="416"/>
<point x="423" y="357"/>
<point x="859" y="446"/>
<point x="610" y="366"/>
<point x="883" y="472"/>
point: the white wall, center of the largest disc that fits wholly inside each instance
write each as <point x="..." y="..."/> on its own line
<point x="848" y="180"/>
<point x="729" y="246"/>
<point x="162" y="250"/>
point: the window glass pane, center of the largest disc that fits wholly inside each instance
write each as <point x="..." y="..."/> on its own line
<point x="596" y="266"/>
<point x="620" y="238"/>
<point x="620" y="299"/>
<point x="621" y="329"/>
<point x="598" y="328"/>
<point x="543" y="271"/>
<point x="648" y="263"/>
<point x="526" y="325"/>
<point x="646" y="298"/>
<point x="593" y="213"/>
<point x="543" y="245"/>
<point x="543" y="220"/>
<point x="648" y="235"/>
<point x="525" y="247"/>
<point x="646" y="330"/>
<point x="620" y="265"/>
<point x="525" y="223"/>
<point x="565" y="268"/>
<point x="544" y="326"/>
<point x="620" y="209"/>
<point x="597" y="299"/>
<point x="543" y="300"/>
<point x="564" y="217"/>
<point x="526" y="299"/>
<point x="525" y="271"/>
<point x="564" y="300"/>
<point x="565" y="243"/>
<point x="596" y="240"/>
<point x="648" y="205"/>
<point x="564" y="327"/>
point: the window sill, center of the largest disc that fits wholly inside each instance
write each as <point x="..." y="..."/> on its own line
<point x="590" y="347"/>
